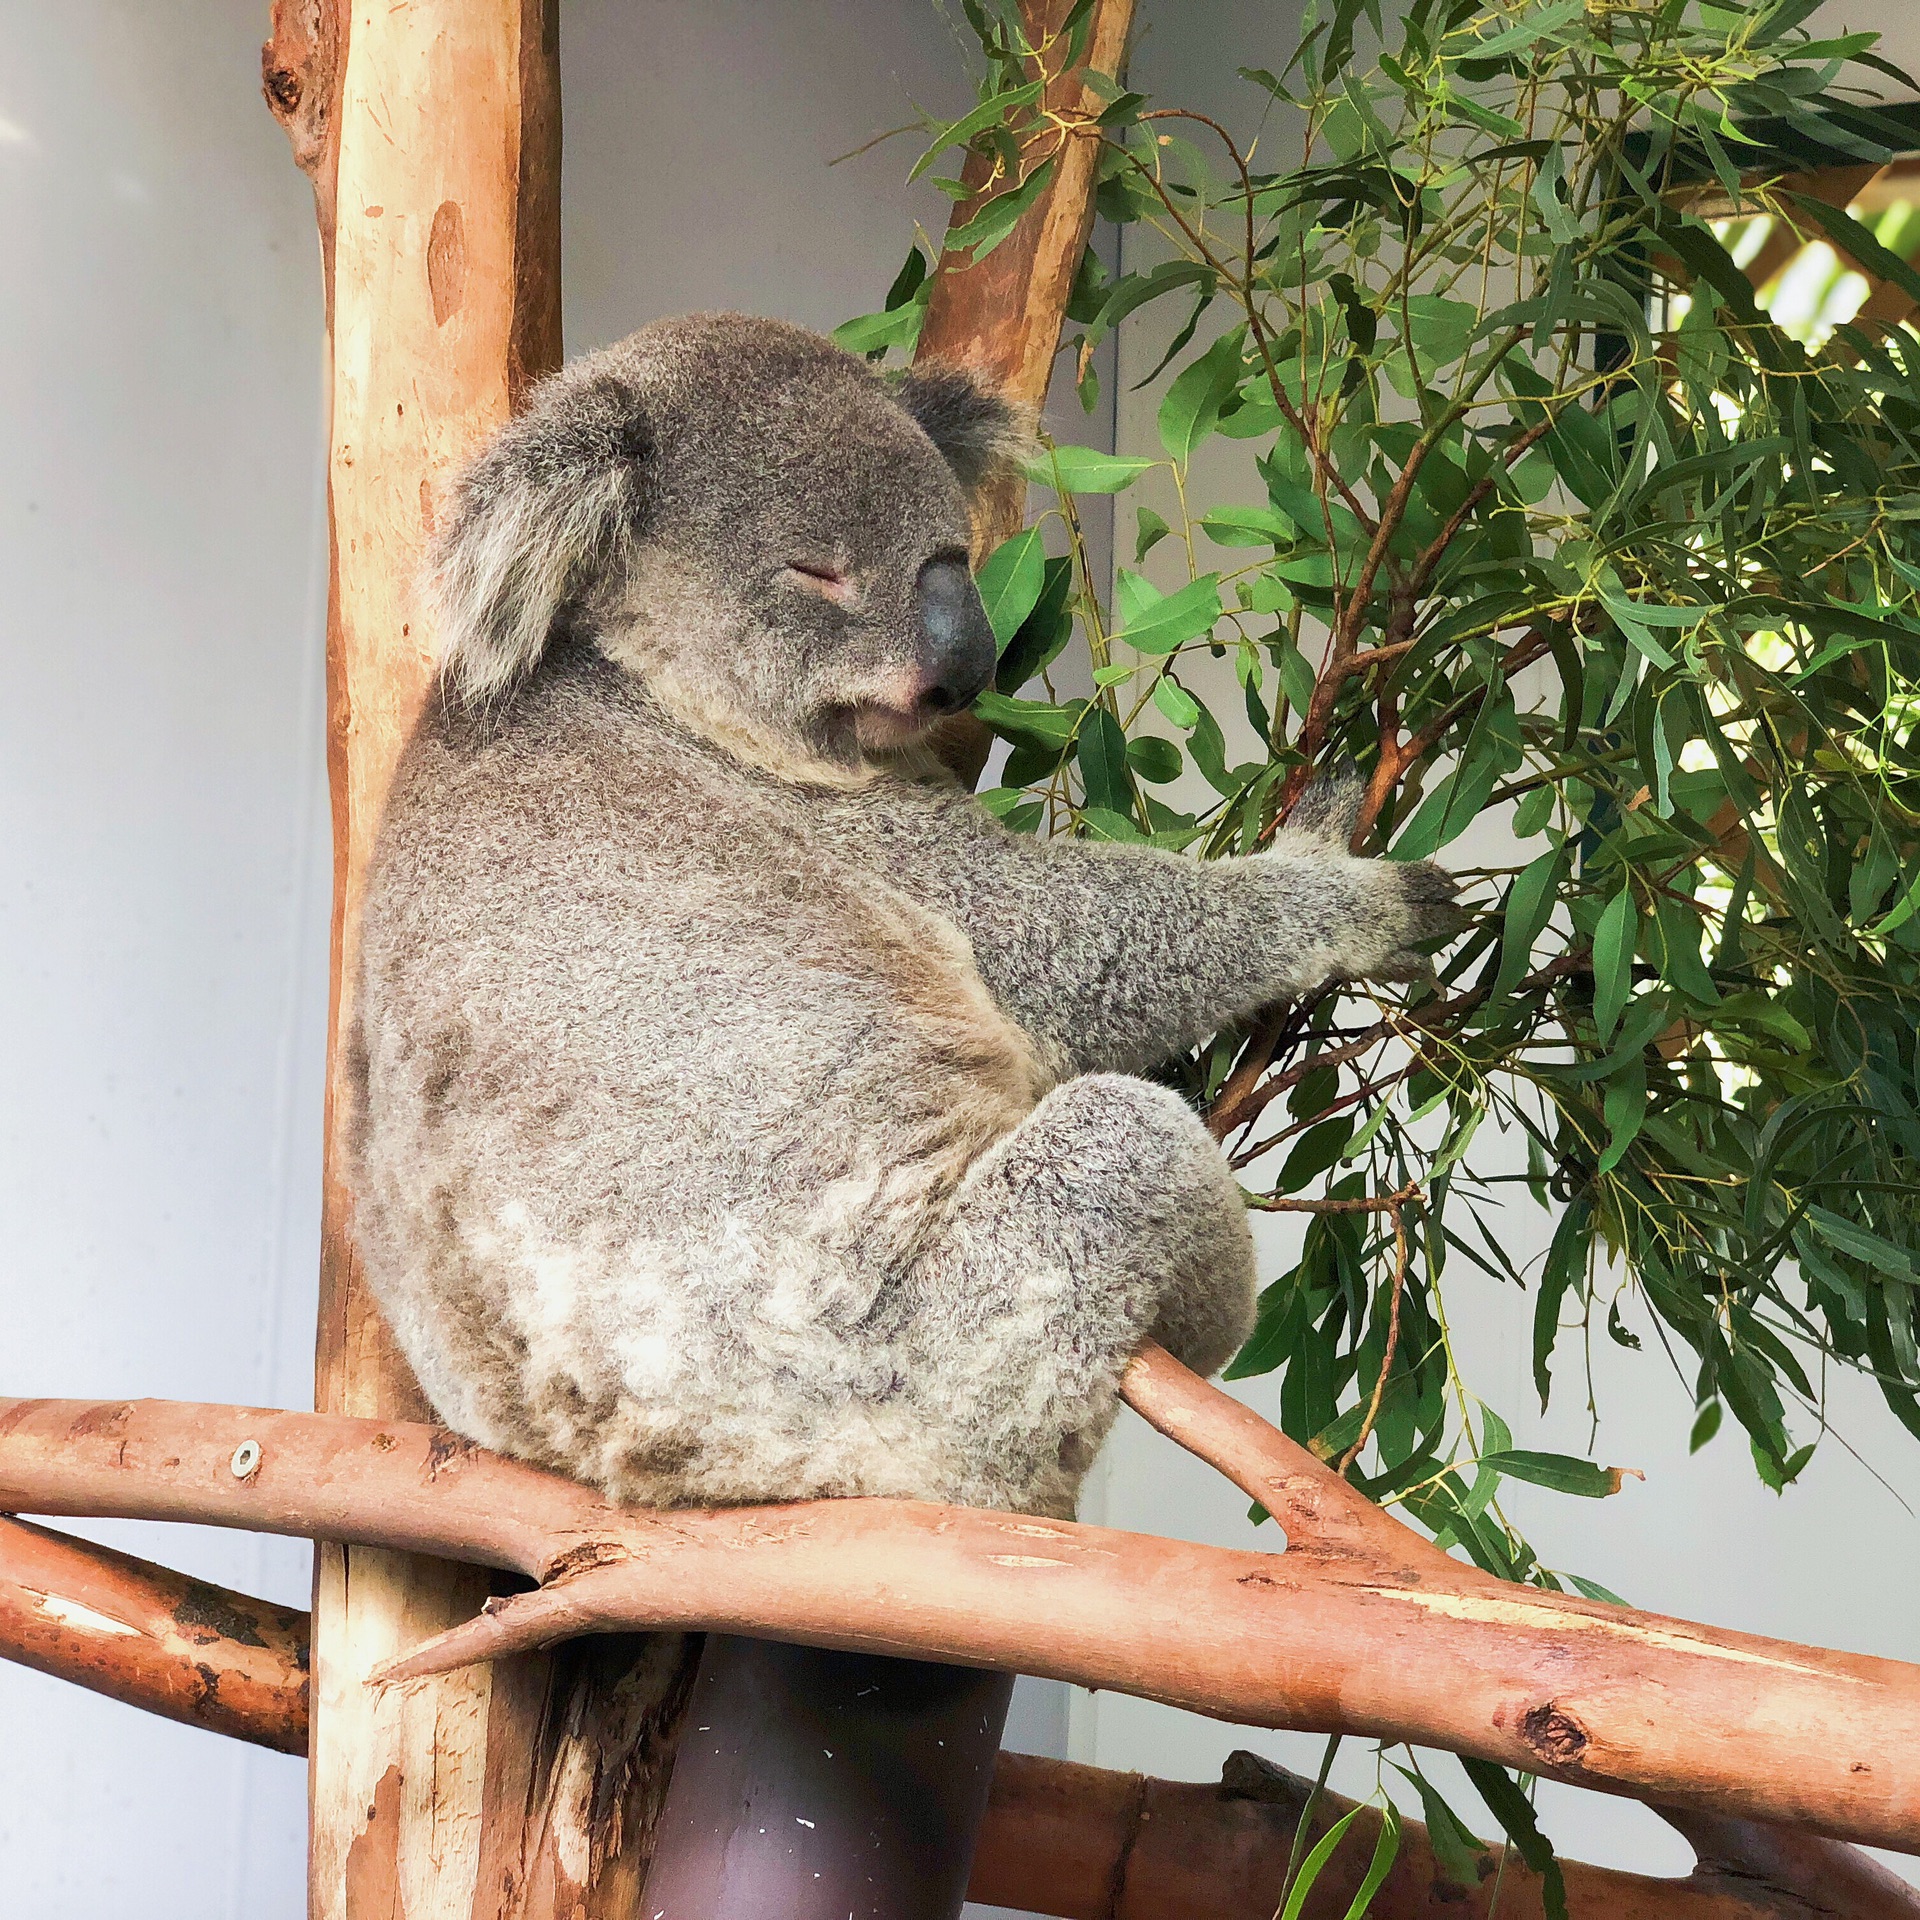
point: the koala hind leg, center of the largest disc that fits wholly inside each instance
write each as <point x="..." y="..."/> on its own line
<point x="1106" y="1218"/>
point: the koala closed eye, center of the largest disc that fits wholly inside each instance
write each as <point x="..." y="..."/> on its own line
<point x="823" y="578"/>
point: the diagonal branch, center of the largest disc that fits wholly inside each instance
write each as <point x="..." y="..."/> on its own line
<point x="153" y="1638"/>
<point x="1330" y="1641"/>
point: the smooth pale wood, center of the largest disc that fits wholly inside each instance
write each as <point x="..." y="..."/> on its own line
<point x="431" y="132"/>
<point x="426" y="195"/>
<point x="1600" y="1696"/>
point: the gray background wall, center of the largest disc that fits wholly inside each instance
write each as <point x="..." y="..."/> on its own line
<point x="163" y="832"/>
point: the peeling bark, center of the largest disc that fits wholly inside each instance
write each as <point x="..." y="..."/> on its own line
<point x="152" y="1638"/>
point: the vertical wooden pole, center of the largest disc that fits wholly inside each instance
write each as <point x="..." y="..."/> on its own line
<point x="431" y="131"/>
<point x="1001" y="316"/>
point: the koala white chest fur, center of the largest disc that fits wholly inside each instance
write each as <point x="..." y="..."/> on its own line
<point x="737" y="1119"/>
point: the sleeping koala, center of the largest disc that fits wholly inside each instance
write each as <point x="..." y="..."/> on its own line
<point x="736" y="1117"/>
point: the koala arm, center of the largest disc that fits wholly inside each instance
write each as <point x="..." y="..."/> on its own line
<point x="1117" y="957"/>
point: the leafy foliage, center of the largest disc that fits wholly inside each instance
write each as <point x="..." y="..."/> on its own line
<point x="1599" y="570"/>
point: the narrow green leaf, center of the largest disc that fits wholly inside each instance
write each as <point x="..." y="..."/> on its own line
<point x="1530" y="903"/>
<point x="1515" y="1813"/>
<point x="1386" y="1849"/>
<point x="1560" y="1471"/>
<point x="1862" y="1244"/>
<point x="1315" y="1863"/>
<point x="1456" y="1848"/>
<point x="989" y="113"/>
<point x="1614" y="941"/>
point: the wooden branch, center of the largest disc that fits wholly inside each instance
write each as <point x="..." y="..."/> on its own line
<point x="1338" y="1639"/>
<point x="432" y="136"/>
<point x="1001" y="316"/>
<point x="1059" y="1839"/>
<point x="1088" y="1844"/>
<point x="152" y="1638"/>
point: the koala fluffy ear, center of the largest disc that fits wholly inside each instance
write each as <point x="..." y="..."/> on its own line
<point x="978" y="431"/>
<point x="548" y="505"/>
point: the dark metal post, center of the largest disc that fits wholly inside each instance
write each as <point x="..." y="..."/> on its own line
<point x="811" y="1785"/>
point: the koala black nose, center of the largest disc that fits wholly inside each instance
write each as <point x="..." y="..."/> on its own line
<point x="957" y="644"/>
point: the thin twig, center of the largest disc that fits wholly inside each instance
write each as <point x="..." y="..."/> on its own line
<point x="1396" y="1207"/>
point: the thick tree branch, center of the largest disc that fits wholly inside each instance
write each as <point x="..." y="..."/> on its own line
<point x="152" y="1638"/>
<point x="1421" y="1650"/>
<point x="1059" y="1838"/>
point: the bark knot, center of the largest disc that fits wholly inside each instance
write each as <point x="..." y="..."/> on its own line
<point x="1556" y="1737"/>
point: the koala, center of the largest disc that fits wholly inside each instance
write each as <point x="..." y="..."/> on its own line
<point x="738" y="1113"/>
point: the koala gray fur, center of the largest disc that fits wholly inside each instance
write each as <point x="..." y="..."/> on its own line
<point x="737" y="1116"/>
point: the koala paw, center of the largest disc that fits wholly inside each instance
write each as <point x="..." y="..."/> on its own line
<point x="1388" y="910"/>
<point x="1422" y="909"/>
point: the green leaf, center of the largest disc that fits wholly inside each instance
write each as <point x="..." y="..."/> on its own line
<point x="1086" y="469"/>
<point x="1624" y="1109"/>
<point x="1860" y="1243"/>
<point x="1315" y="1863"/>
<point x="1386" y="1849"/>
<point x="1456" y="1849"/>
<point x="1103" y="823"/>
<point x="1152" y="530"/>
<point x="1175" y="702"/>
<point x="1248" y="527"/>
<point x="1000" y="215"/>
<point x="875" y="332"/>
<point x="1010" y="583"/>
<point x="1154" y="759"/>
<point x="1103" y="762"/>
<point x="1530" y="903"/>
<point x="1568" y="1257"/>
<point x="1527" y="34"/>
<point x="989" y="113"/>
<point x="1861" y="242"/>
<point x="1560" y="1471"/>
<point x="1515" y="1813"/>
<point x="1319" y="1148"/>
<point x="1191" y="409"/>
<point x="1176" y="619"/>
<point x="1029" y="719"/>
<point x="1614" y="940"/>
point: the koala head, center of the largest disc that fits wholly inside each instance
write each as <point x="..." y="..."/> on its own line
<point x="767" y="531"/>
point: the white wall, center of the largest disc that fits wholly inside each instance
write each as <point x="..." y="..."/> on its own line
<point x="163" y="834"/>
